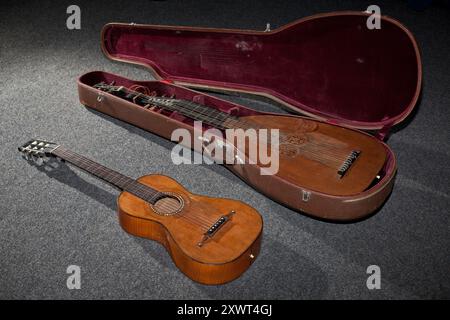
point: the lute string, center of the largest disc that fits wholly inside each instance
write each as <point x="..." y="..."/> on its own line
<point x="322" y="152"/>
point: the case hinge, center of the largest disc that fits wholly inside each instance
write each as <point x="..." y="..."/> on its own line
<point x="383" y="133"/>
<point x="100" y="96"/>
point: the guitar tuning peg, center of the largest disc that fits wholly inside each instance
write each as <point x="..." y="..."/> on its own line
<point x="38" y="160"/>
<point x="26" y="156"/>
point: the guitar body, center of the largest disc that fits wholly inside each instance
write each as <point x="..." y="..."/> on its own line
<point x="218" y="260"/>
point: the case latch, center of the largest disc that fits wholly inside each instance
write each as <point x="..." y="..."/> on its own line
<point x="306" y="195"/>
<point x="100" y="96"/>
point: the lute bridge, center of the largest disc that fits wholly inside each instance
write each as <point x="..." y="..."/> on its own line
<point x="348" y="162"/>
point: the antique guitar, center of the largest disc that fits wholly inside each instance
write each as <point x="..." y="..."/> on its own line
<point x="211" y="240"/>
<point x="324" y="169"/>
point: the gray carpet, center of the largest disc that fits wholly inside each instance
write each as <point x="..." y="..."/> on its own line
<point x="50" y="220"/>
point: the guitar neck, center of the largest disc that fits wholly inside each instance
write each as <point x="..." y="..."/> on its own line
<point x="113" y="177"/>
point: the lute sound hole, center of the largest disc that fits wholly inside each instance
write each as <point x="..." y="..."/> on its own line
<point x="290" y="144"/>
<point x="168" y="204"/>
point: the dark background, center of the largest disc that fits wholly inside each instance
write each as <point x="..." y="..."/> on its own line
<point x="49" y="221"/>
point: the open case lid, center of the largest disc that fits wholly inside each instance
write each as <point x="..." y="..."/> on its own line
<point x="329" y="66"/>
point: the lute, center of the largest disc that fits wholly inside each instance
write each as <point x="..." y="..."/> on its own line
<point x="316" y="158"/>
<point x="211" y="240"/>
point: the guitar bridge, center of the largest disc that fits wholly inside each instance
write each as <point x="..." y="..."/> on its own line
<point x="351" y="158"/>
<point x="215" y="227"/>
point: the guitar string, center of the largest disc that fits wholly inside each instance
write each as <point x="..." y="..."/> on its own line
<point x="140" y="187"/>
<point x="114" y="177"/>
<point x="94" y="168"/>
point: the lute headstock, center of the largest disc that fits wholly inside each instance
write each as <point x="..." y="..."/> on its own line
<point x="111" y="88"/>
<point x="38" y="150"/>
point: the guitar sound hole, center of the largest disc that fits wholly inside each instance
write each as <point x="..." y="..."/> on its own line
<point x="168" y="205"/>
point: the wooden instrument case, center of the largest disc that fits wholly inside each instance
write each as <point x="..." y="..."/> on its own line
<point x="328" y="67"/>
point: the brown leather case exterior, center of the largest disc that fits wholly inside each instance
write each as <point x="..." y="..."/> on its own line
<point x="312" y="203"/>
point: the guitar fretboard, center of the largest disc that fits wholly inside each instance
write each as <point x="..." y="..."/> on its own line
<point x="111" y="176"/>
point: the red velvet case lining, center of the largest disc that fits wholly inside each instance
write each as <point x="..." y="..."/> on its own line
<point x="330" y="66"/>
<point x="164" y="89"/>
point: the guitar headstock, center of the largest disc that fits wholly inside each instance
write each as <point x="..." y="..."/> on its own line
<point x="38" y="150"/>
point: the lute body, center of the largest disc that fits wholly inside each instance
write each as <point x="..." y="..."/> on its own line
<point x="312" y="153"/>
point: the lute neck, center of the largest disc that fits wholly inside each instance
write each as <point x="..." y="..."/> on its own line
<point x="196" y="111"/>
<point x="113" y="177"/>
